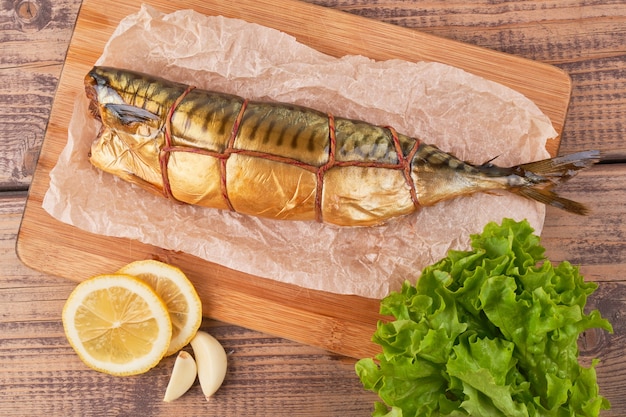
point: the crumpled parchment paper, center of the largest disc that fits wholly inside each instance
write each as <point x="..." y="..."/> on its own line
<point x="471" y="117"/>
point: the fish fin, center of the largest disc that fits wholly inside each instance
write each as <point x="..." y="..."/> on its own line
<point x="561" y="168"/>
<point x="550" y="198"/>
<point x="489" y="163"/>
<point x="541" y="176"/>
<point x="128" y="114"/>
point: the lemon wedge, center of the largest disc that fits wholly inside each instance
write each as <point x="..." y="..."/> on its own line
<point x="117" y="324"/>
<point x="179" y="295"/>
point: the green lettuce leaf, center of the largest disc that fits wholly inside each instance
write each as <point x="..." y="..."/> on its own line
<point x="487" y="332"/>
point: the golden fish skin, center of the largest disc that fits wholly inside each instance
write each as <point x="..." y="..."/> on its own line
<point x="284" y="161"/>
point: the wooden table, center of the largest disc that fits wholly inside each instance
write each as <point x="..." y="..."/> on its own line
<point x="41" y="375"/>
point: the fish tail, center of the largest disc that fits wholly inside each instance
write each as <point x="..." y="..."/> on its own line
<point x="538" y="179"/>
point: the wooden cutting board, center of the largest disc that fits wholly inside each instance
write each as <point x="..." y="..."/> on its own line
<point x="339" y="323"/>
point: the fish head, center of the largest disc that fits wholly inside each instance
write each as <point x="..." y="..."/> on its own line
<point x="131" y="136"/>
<point x="118" y="99"/>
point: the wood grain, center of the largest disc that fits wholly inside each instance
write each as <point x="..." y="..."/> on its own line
<point x="41" y="375"/>
<point x="610" y="300"/>
<point x="596" y="242"/>
<point x="32" y="53"/>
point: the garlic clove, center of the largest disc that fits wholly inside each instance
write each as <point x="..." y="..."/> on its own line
<point x="211" y="361"/>
<point x="183" y="376"/>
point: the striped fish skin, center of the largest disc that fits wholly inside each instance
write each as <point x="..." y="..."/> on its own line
<point x="283" y="161"/>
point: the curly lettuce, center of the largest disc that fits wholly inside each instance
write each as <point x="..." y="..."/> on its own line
<point x="487" y="332"/>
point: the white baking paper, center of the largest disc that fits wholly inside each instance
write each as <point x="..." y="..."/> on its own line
<point x="471" y="117"/>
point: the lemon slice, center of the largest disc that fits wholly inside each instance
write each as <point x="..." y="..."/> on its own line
<point x="117" y="324"/>
<point x="179" y="295"/>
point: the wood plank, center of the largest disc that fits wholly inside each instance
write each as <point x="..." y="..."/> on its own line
<point x="610" y="300"/>
<point x="597" y="242"/>
<point x="598" y="105"/>
<point x="32" y="53"/>
<point x="338" y="323"/>
<point x="553" y="31"/>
